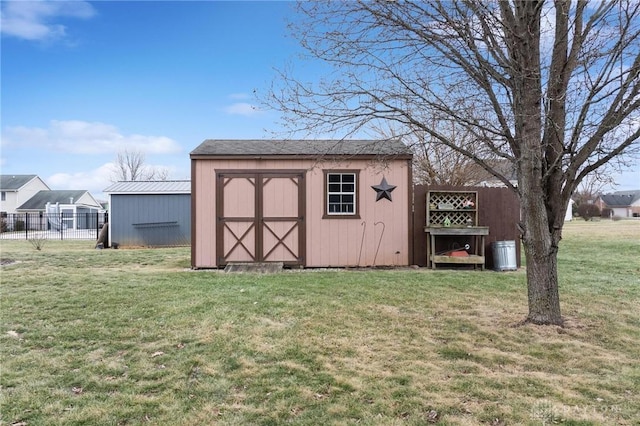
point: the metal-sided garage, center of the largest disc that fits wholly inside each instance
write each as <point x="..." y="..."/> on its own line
<point x="150" y="213"/>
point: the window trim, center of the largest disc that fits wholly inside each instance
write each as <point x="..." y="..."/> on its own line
<point x="356" y="202"/>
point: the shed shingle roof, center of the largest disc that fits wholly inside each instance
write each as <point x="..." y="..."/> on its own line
<point x="301" y="148"/>
<point x="14" y="182"/>
<point x="150" y="187"/>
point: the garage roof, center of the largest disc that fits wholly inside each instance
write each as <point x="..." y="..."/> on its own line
<point x="150" y="187"/>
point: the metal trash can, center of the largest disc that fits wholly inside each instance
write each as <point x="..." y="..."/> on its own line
<point x="504" y="255"/>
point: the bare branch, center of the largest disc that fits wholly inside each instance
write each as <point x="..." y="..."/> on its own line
<point x="130" y="165"/>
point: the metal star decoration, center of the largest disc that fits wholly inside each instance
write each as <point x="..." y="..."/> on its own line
<point x="383" y="190"/>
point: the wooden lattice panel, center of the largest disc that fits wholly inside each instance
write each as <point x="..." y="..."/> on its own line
<point x="452" y="205"/>
<point x="438" y="218"/>
<point x="454" y="199"/>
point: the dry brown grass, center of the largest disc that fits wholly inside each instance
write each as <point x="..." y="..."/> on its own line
<point x="133" y="337"/>
<point x="628" y="229"/>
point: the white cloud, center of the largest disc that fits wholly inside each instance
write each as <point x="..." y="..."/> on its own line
<point x="35" y="20"/>
<point x="82" y="137"/>
<point x="242" y="108"/>
<point x="93" y="180"/>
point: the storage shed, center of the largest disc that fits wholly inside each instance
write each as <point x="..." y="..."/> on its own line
<point x="150" y="213"/>
<point x="310" y="203"/>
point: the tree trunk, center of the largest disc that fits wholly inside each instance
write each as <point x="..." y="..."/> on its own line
<point x="540" y="244"/>
<point x="544" y="301"/>
<point x="542" y="271"/>
<point x="103" y="237"/>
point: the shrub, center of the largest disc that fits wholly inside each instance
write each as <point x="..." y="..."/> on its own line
<point x="38" y="242"/>
<point x="587" y="211"/>
<point x="19" y="225"/>
<point x="606" y="213"/>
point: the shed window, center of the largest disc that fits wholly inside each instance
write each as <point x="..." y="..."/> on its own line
<point x="341" y="195"/>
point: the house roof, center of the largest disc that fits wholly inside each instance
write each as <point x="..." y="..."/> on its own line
<point x="620" y="198"/>
<point x="41" y="198"/>
<point x="635" y="193"/>
<point x="14" y="182"/>
<point x="301" y="148"/>
<point x="150" y="187"/>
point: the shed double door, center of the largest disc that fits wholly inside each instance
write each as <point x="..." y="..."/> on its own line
<point x="260" y="217"/>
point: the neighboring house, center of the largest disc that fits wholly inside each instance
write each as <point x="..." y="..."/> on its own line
<point x="77" y="209"/>
<point x="144" y="213"/>
<point x="18" y="189"/>
<point x="312" y="203"/>
<point x="621" y="203"/>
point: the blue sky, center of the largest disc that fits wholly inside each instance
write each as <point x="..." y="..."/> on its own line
<point x="81" y="81"/>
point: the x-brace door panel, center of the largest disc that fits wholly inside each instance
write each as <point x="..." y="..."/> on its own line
<point x="260" y="216"/>
<point x="236" y="218"/>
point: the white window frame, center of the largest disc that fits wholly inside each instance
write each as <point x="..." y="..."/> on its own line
<point x="344" y="190"/>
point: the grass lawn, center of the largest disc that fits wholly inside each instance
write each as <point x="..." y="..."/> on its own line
<point x="127" y="337"/>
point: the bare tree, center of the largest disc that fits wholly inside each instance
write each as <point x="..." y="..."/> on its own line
<point x="552" y="87"/>
<point x="130" y="165"/>
<point x="438" y="164"/>
<point x="591" y="187"/>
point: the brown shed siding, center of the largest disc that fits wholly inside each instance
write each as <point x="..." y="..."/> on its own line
<point x="381" y="236"/>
